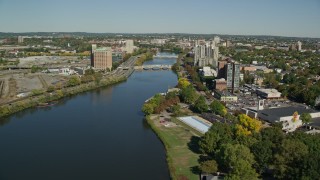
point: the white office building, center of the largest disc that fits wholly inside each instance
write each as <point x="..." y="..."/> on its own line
<point x="206" y="53"/>
<point x="299" y="45"/>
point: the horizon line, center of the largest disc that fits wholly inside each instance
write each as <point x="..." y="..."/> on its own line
<point x="162" y="33"/>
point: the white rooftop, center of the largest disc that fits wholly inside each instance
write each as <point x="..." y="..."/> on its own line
<point x="197" y="123"/>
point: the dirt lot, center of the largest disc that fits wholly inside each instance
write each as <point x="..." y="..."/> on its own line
<point x="42" y="60"/>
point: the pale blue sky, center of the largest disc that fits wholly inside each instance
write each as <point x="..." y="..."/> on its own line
<point x="299" y="18"/>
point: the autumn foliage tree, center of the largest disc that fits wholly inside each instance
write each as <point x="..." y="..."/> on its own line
<point x="159" y="103"/>
<point x="247" y="125"/>
<point x="183" y="83"/>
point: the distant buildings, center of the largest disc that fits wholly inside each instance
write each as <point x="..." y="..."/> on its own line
<point x="299" y="45"/>
<point x="216" y="40"/>
<point x="293" y="47"/>
<point x="228" y="43"/>
<point x="206" y="53"/>
<point x="20" y="39"/>
<point x="129" y="46"/>
<point x="296" y="46"/>
<point x="283" y="47"/>
<point x="101" y="58"/>
<point x="158" y="41"/>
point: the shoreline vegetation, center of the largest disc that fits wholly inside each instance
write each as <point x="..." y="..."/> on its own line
<point x="54" y="95"/>
<point x="143" y="58"/>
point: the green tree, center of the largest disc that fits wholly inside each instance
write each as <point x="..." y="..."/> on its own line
<point x="36" y="92"/>
<point x="73" y="81"/>
<point x="200" y="105"/>
<point x="148" y="108"/>
<point x="209" y="166"/>
<point x="289" y="158"/>
<point x="305" y="118"/>
<point x="237" y="160"/>
<point x="50" y="89"/>
<point x="59" y="93"/>
<point x="262" y="151"/>
<point x="218" y="134"/>
<point x="89" y="72"/>
<point x="175" y="109"/>
<point x="218" y="108"/>
<point x="97" y="77"/>
<point x="188" y="95"/>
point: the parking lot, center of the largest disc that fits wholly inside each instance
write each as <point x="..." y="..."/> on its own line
<point x="247" y="97"/>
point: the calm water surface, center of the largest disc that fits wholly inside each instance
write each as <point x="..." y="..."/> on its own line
<point x="100" y="134"/>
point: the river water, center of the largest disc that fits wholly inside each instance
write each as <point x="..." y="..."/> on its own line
<point x="99" y="134"/>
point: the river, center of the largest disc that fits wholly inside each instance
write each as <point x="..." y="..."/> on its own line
<point x="99" y="134"/>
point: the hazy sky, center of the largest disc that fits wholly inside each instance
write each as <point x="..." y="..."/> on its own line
<point x="245" y="17"/>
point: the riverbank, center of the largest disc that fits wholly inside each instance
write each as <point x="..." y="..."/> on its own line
<point x="143" y="58"/>
<point x="9" y="109"/>
<point x="179" y="142"/>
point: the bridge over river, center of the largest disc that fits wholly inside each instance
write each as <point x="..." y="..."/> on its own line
<point x="165" y="56"/>
<point x="153" y="67"/>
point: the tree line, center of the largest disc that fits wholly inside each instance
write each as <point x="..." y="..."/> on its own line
<point x="244" y="150"/>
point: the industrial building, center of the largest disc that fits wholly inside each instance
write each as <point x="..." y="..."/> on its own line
<point x="288" y="116"/>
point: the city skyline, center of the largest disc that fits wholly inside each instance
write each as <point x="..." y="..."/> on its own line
<point x="286" y="18"/>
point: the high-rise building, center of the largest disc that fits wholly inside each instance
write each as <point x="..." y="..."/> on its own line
<point x="221" y="68"/>
<point x="20" y="39"/>
<point x="233" y="75"/>
<point x="93" y="48"/>
<point x="299" y="45"/>
<point x="101" y="58"/>
<point x="215" y="56"/>
<point x="228" y="43"/>
<point x="230" y="70"/>
<point x="216" y="40"/>
<point x="129" y="46"/>
<point x="293" y="47"/>
<point x="206" y="53"/>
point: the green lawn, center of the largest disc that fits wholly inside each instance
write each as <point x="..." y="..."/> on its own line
<point x="181" y="159"/>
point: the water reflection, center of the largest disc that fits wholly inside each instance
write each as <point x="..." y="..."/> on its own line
<point x="105" y="93"/>
<point x="4" y="121"/>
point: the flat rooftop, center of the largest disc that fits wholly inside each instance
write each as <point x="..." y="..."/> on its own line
<point x="286" y="111"/>
<point x="196" y="123"/>
<point x="268" y="91"/>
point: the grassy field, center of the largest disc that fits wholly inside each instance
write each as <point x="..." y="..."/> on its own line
<point x="181" y="145"/>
